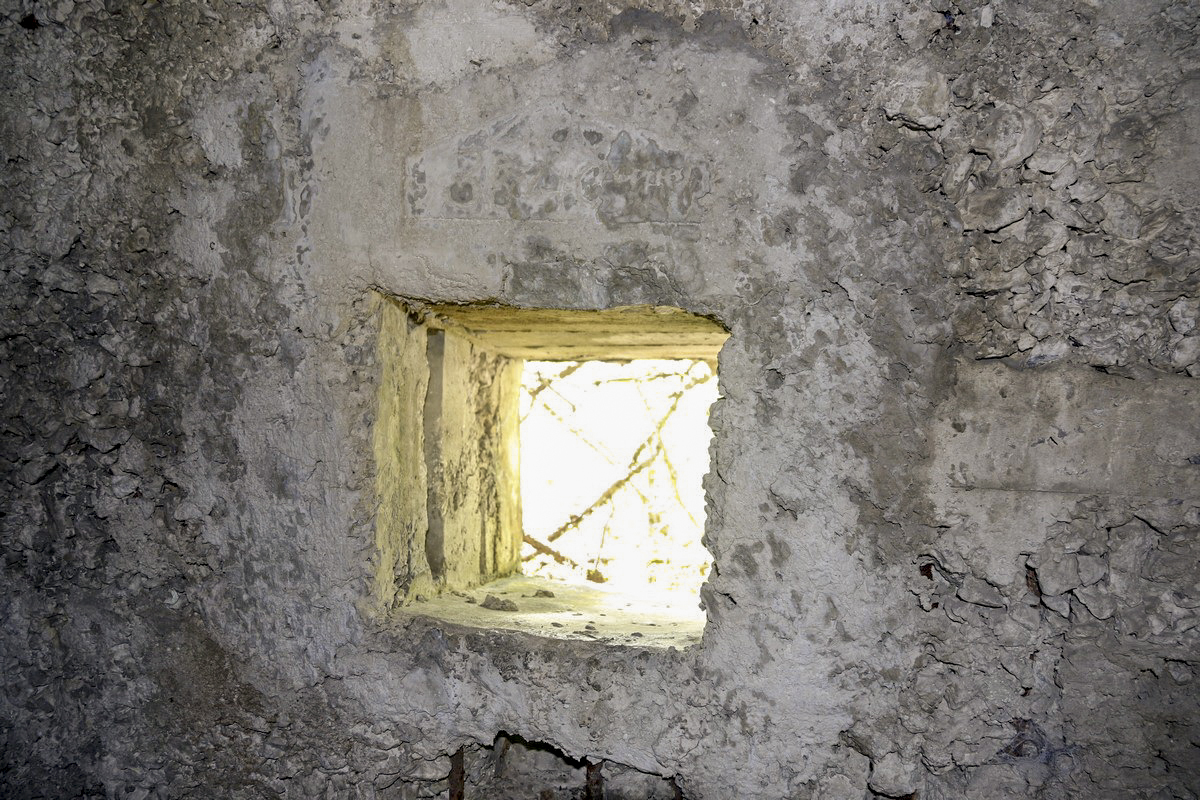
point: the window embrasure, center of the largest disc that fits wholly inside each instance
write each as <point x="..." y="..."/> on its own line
<point x="562" y="445"/>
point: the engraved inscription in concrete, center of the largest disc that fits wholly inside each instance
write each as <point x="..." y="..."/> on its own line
<point x="556" y="169"/>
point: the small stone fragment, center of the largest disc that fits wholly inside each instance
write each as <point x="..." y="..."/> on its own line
<point x="956" y="173"/>
<point x="494" y="603"/>
<point x="1048" y="161"/>
<point x="1058" y="575"/>
<point x="1121" y="217"/>
<point x="980" y="593"/>
<point x="1087" y="191"/>
<point x="37" y="469"/>
<point x="1184" y="315"/>
<point x="187" y="511"/>
<point x="1038" y="327"/>
<point x="543" y="593"/>
<point x="892" y="777"/>
<point x="1185" y="352"/>
<point x="1065" y="213"/>
<point x="1009" y="136"/>
<point x="1060" y="603"/>
<point x="1065" y="177"/>
<point x="992" y="209"/>
<point x="1092" y="569"/>
<point x="956" y="610"/>
<point x="1047" y="236"/>
<point x="919" y="100"/>
<point x="1180" y="672"/>
<point x="1099" y="603"/>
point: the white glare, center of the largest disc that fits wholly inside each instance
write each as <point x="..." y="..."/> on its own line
<point x="612" y="459"/>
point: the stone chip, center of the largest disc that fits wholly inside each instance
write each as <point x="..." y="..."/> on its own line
<point x="495" y="603"/>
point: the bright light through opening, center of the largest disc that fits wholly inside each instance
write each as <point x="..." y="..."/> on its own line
<point x="612" y="459"/>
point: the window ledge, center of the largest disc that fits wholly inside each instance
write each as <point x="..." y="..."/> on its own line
<point x="586" y="612"/>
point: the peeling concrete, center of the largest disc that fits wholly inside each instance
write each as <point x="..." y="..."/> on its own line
<point x="938" y="234"/>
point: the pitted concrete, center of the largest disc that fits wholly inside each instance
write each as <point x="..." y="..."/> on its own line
<point x="938" y="236"/>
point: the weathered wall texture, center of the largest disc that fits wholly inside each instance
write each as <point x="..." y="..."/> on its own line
<point x="445" y="445"/>
<point x="954" y="504"/>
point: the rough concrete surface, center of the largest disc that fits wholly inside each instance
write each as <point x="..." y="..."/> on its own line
<point x="948" y="239"/>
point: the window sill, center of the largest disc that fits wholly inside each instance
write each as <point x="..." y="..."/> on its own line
<point x="583" y="612"/>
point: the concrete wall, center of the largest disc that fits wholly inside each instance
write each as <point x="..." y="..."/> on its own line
<point x="402" y="455"/>
<point x="475" y="484"/>
<point x="953" y="506"/>
<point x="446" y="459"/>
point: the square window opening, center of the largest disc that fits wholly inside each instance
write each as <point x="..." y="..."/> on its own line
<point x="541" y="469"/>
